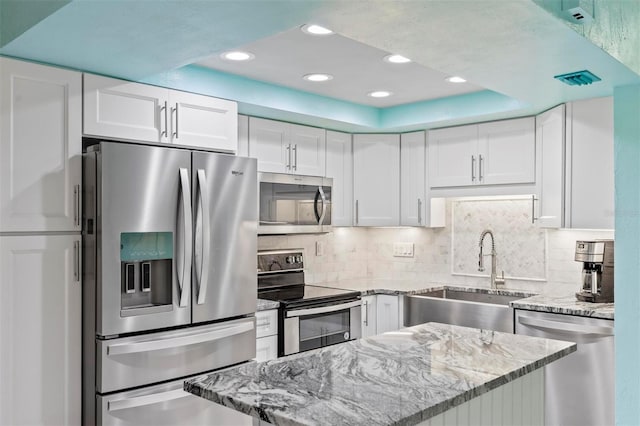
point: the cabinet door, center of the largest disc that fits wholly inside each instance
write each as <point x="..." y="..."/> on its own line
<point x="387" y="314"/>
<point x="413" y="158"/>
<point x="340" y="169"/>
<point x="548" y="205"/>
<point x="266" y="348"/>
<point x="123" y="110"/>
<point x="376" y="179"/>
<point x="40" y="147"/>
<point x="453" y="157"/>
<point x="368" y="316"/>
<point x="269" y="143"/>
<point x="307" y="150"/>
<point x="40" y="326"/>
<point x="203" y="121"/>
<point x="506" y="152"/>
<point x="591" y="203"/>
<point x="243" y="136"/>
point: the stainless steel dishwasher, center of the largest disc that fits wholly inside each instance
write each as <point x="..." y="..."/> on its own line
<point x="579" y="389"/>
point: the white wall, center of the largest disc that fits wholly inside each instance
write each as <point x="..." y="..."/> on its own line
<point x="358" y="254"/>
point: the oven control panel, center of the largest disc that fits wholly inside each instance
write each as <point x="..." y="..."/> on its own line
<point x="272" y="261"/>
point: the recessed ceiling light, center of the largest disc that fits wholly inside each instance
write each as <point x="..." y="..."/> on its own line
<point x="379" y="94"/>
<point x="237" y="55"/>
<point x="456" y="79"/>
<point x="316" y="30"/>
<point x="397" y="59"/>
<point x="317" y="77"/>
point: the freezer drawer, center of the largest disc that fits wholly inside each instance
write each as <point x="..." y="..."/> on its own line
<point x="165" y="404"/>
<point x="588" y="371"/>
<point x="152" y="358"/>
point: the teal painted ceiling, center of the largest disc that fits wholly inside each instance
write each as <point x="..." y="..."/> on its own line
<point x="513" y="48"/>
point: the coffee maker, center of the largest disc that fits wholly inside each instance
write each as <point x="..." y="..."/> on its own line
<point x="597" y="270"/>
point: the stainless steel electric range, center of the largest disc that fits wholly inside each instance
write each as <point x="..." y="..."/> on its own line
<point x="309" y="316"/>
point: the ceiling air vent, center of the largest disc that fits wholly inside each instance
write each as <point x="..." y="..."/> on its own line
<point x="578" y="78"/>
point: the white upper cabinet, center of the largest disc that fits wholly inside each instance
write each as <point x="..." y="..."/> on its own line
<point x="287" y="148"/>
<point x="413" y="157"/>
<point x="376" y="179"/>
<point x="590" y="178"/>
<point x="506" y="152"/>
<point x="40" y="330"/>
<point x="496" y="153"/>
<point x="549" y="199"/>
<point x="119" y="109"/>
<point x="203" y="121"/>
<point x="40" y="147"/>
<point x="340" y="169"/>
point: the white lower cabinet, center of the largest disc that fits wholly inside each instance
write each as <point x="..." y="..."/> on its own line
<point x="380" y="313"/>
<point x="266" y="335"/>
<point x="40" y="330"/>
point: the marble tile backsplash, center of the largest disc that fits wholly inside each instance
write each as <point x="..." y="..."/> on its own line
<point x="543" y="259"/>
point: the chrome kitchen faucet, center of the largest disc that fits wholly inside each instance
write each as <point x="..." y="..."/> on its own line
<point x="495" y="282"/>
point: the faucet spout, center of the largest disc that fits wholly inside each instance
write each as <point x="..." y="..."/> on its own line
<point x="493" y="275"/>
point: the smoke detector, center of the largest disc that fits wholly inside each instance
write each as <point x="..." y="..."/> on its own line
<point x="573" y="12"/>
<point x="578" y="78"/>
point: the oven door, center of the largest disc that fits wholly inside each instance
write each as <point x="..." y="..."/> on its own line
<point x="314" y="327"/>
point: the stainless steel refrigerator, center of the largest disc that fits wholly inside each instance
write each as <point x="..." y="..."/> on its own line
<point x="169" y="279"/>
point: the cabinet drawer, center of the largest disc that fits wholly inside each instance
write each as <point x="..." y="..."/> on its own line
<point x="266" y="348"/>
<point x="266" y="323"/>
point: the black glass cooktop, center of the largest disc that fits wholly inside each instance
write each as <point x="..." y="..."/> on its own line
<point x="303" y="295"/>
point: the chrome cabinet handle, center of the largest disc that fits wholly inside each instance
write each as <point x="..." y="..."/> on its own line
<point x="175" y="128"/>
<point x="365" y="314"/>
<point x="419" y="211"/>
<point x="203" y="279"/>
<point x="357" y="213"/>
<point x="76" y="205"/>
<point x="76" y="261"/>
<point x="295" y="157"/>
<point x="479" y="167"/>
<point x="164" y="128"/>
<point x="141" y="401"/>
<point x="564" y="326"/>
<point x="533" y="209"/>
<point x="288" y="159"/>
<point x="176" y="342"/>
<point x="184" y="281"/>
<point x="473" y="168"/>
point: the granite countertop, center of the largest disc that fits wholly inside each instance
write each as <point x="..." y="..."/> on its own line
<point x="559" y="303"/>
<point x="401" y="377"/>
<point x="565" y="304"/>
<point x="265" y="305"/>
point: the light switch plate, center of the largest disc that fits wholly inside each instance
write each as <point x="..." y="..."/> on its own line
<point x="402" y="249"/>
<point x="319" y="248"/>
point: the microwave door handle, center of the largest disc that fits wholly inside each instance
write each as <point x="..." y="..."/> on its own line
<point x="315" y="207"/>
<point x="324" y="205"/>
<point x="184" y="269"/>
<point x="141" y="401"/>
<point x="205" y="261"/>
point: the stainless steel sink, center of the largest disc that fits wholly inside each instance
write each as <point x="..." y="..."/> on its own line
<point x="459" y="307"/>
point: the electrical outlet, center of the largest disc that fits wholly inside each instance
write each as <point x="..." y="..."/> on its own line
<point x="319" y="248"/>
<point x="402" y="249"/>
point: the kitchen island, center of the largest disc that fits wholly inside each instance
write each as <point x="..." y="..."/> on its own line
<point x="414" y="375"/>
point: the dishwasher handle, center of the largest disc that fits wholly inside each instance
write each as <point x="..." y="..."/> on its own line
<point x="565" y="326"/>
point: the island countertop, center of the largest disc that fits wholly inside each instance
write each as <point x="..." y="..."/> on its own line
<point x="400" y="378"/>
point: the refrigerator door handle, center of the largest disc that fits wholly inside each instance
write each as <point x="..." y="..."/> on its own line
<point x="203" y="268"/>
<point x="176" y="342"/>
<point x="141" y="401"/>
<point x="187" y="244"/>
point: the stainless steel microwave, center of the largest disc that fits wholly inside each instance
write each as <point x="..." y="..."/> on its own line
<point x="294" y="204"/>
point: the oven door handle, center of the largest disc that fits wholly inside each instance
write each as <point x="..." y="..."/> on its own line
<point x="322" y="309"/>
